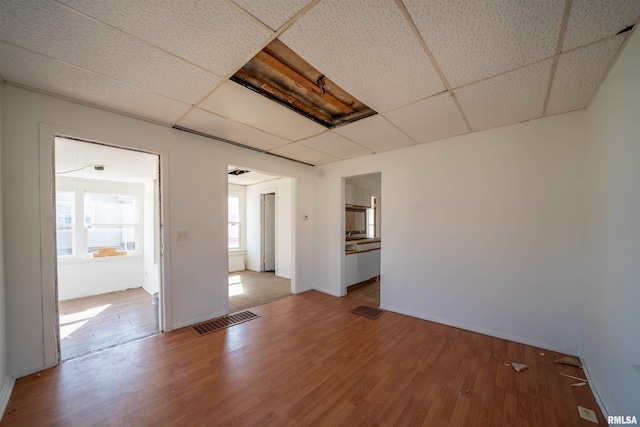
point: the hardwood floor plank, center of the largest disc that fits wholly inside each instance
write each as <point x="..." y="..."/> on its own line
<point x="307" y="361"/>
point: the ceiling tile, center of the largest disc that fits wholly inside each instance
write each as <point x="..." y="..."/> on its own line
<point x="53" y="30"/>
<point x="210" y="33"/>
<point x="273" y="13"/>
<point x="246" y="106"/>
<point x="510" y="98"/>
<point x="304" y="154"/>
<point x="119" y="165"/>
<point x="579" y="74"/>
<point x="593" y="20"/>
<point x="429" y="120"/>
<point x="335" y="145"/>
<point x="375" y="133"/>
<point x="39" y="72"/>
<point x="473" y="40"/>
<point x="368" y="49"/>
<point x="214" y="125"/>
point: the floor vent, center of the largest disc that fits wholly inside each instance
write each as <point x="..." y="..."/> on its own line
<point x="368" y="312"/>
<point x="223" y="322"/>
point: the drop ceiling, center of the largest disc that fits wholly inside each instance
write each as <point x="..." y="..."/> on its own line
<point x="432" y="69"/>
<point x="76" y="159"/>
<point x="248" y="176"/>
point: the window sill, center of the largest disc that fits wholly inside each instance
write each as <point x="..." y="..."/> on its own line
<point x="237" y="251"/>
<point x="77" y="260"/>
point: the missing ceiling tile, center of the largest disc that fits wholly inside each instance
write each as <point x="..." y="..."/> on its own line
<point x="281" y="75"/>
<point x="238" y="171"/>
<point x="624" y="30"/>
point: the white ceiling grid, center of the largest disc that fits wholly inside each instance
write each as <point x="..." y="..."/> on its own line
<point x="273" y="13"/>
<point x="368" y="49"/>
<point x="335" y="145"/>
<point x="157" y="59"/>
<point x="473" y="40"/>
<point x="51" y="76"/>
<point x="579" y="74"/>
<point x="304" y="154"/>
<point x="246" y="106"/>
<point x="210" y="33"/>
<point x="50" y="29"/>
<point x="212" y="124"/>
<point x="376" y="134"/>
<point x="593" y="20"/>
<point x="429" y="120"/>
<point x="506" y="99"/>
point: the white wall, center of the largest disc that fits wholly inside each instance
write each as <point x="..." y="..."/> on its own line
<point x="6" y="380"/>
<point x="612" y="318"/>
<point x="283" y="189"/>
<point x="80" y="276"/>
<point x="194" y="185"/>
<point x="482" y="231"/>
<point x="87" y="277"/>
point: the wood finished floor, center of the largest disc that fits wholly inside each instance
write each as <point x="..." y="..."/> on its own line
<point x="307" y="361"/>
<point x="369" y="293"/>
<point x="103" y="321"/>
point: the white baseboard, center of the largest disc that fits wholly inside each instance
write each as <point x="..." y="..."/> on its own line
<point x="480" y="330"/>
<point x="331" y="292"/>
<point x="592" y="386"/>
<point x="5" y="393"/>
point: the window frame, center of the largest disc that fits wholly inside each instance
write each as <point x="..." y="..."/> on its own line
<point x="81" y="187"/>
<point x="241" y="196"/>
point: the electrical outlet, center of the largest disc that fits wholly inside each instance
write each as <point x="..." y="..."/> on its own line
<point x="182" y="236"/>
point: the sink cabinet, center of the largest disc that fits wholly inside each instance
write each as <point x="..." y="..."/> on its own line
<point x="362" y="265"/>
<point x="351" y="269"/>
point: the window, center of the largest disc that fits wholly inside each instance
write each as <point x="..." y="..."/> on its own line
<point x="65" y="222"/>
<point x="234" y="222"/>
<point x="371" y="219"/>
<point x="98" y="219"/>
<point x="111" y="221"/>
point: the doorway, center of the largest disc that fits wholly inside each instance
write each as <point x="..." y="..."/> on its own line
<point x="260" y="237"/>
<point x="107" y="210"/>
<point x="268" y="232"/>
<point x="362" y="236"/>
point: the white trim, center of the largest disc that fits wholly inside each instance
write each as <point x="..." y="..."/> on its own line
<point x="331" y="292"/>
<point x="5" y="393"/>
<point x="46" y="135"/>
<point x="295" y="211"/>
<point x="48" y="257"/>
<point x="489" y="332"/>
<point x="592" y="386"/>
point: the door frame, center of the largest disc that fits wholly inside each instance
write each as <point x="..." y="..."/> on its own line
<point x="295" y="212"/>
<point x="263" y="250"/>
<point x="48" y="253"/>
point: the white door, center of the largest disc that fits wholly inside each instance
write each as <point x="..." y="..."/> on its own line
<point x="269" y="232"/>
